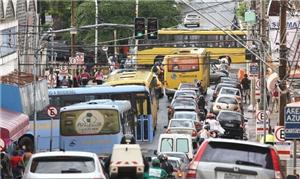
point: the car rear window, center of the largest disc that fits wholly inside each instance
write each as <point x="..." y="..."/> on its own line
<point x="227" y="100"/>
<point x="63" y="164"/>
<point x="185" y="116"/>
<point x="228" y="116"/>
<point x="221" y="152"/>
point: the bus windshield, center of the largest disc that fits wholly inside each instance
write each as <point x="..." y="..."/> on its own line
<point x="89" y="122"/>
<point x="183" y="64"/>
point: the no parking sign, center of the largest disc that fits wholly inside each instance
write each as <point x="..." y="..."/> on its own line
<point x="260" y="122"/>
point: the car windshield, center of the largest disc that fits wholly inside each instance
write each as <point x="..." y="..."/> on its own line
<point x="181" y="123"/>
<point x="183" y="103"/>
<point x="227" y="100"/>
<point x="227" y="116"/>
<point x="221" y="152"/>
<point x="62" y="164"/>
<point x="191" y="116"/>
<point x="223" y="85"/>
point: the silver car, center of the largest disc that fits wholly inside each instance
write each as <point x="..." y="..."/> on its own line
<point x="229" y="158"/>
<point x="66" y="165"/>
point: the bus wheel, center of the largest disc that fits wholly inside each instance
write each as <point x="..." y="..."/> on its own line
<point x="28" y="142"/>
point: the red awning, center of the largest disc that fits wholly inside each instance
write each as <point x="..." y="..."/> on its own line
<point x="12" y="125"/>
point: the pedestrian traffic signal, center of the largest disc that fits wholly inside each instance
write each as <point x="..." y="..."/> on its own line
<point x="152" y="27"/>
<point x="139" y="28"/>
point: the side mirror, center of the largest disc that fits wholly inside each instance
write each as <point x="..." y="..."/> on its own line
<point x="165" y="127"/>
<point x="155" y="152"/>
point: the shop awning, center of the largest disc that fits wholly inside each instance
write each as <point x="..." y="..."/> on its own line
<point x="12" y="125"/>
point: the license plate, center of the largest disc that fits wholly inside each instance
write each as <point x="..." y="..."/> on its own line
<point x="234" y="176"/>
<point x="229" y="125"/>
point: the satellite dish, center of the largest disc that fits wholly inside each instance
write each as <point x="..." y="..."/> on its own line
<point x="105" y="48"/>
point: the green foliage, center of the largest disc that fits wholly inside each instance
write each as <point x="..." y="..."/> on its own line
<point x="241" y="10"/>
<point x="113" y="11"/>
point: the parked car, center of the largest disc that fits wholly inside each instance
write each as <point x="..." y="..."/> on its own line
<point x="232" y="91"/>
<point x="192" y="20"/>
<point x="219" y="86"/>
<point x="175" y="143"/>
<point x="216" y="75"/>
<point x="226" y="102"/>
<point x="189" y="115"/>
<point x="67" y="164"/>
<point x="182" y="126"/>
<point x="233" y="123"/>
<point x="228" y="158"/>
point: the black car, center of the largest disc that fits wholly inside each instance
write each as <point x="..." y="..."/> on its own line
<point x="233" y="123"/>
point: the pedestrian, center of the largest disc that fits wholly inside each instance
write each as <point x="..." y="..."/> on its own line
<point x="246" y="87"/>
<point x="26" y="156"/>
<point x="70" y="82"/>
<point x="17" y="165"/>
<point x="199" y="86"/>
<point x="76" y="80"/>
<point x="99" y="76"/>
<point x="64" y="82"/>
<point x="84" y="77"/>
<point x="275" y="99"/>
<point x="5" y="165"/>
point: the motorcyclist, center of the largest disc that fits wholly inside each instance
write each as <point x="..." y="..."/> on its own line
<point x="214" y="124"/>
<point x="155" y="171"/>
<point x="198" y="85"/>
<point x="204" y="133"/>
<point x="164" y="164"/>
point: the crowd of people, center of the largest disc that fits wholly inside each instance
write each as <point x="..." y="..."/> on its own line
<point x="12" y="166"/>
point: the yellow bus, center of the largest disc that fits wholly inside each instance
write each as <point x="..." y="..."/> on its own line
<point x="139" y="77"/>
<point x="216" y="42"/>
<point x="188" y="66"/>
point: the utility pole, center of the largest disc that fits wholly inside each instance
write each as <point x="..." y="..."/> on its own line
<point x="282" y="61"/>
<point x="136" y="42"/>
<point x="96" y="32"/>
<point x="262" y="105"/>
<point x="73" y="26"/>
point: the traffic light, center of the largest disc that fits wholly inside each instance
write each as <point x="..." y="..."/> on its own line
<point x="139" y="28"/>
<point x="152" y="27"/>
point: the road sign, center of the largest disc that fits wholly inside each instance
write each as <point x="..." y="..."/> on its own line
<point x="52" y="80"/>
<point x="283" y="149"/>
<point x="292" y="122"/>
<point x="279" y="133"/>
<point x="254" y="69"/>
<point x="260" y="115"/>
<point x="260" y="122"/>
<point x="52" y="111"/>
<point x="257" y="84"/>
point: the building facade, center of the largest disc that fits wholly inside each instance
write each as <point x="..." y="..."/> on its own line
<point x="18" y="35"/>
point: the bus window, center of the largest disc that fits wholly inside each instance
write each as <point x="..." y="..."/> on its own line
<point x="89" y="122"/>
<point x="185" y="64"/>
<point x="142" y="106"/>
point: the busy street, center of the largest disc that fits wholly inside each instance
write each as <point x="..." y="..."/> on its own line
<point x="141" y="89"/>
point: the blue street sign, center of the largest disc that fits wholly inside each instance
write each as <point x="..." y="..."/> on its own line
<point x="292" y="122"/>
<point x="254" y="69"/>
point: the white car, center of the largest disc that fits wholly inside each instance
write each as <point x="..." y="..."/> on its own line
<point x="231" y="91"/>
<point x="192" y="20"/>
<point x="66" y="165"/>
<point x="226" y="102"/>
<point x="182" y="126"/>
<point x="188" y="115"/>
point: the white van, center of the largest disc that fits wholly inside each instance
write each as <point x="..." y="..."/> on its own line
<point x="175" y="143"/>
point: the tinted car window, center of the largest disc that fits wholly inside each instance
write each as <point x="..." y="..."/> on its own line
<point x="185" y="116"/>
<point x="228" y="116"/>
<point x="182" y="145"/>
<point x="221" y="152"/>
<point x="227" y="100"/>
<point x="166" y="145"/>
<point x="63" y="164"/>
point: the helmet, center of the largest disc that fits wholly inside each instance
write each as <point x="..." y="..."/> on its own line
<point x="211" y="116"/>
<point x="162" y="157"/>
<point x="128" y="139"/>
<point x="155" y="162"/>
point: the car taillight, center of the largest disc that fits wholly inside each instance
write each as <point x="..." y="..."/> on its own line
<point x="192" y="168"/>
<point x="276" y="164"/>
<point x="194" y="133"/>
<point x="219" y="107"/>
